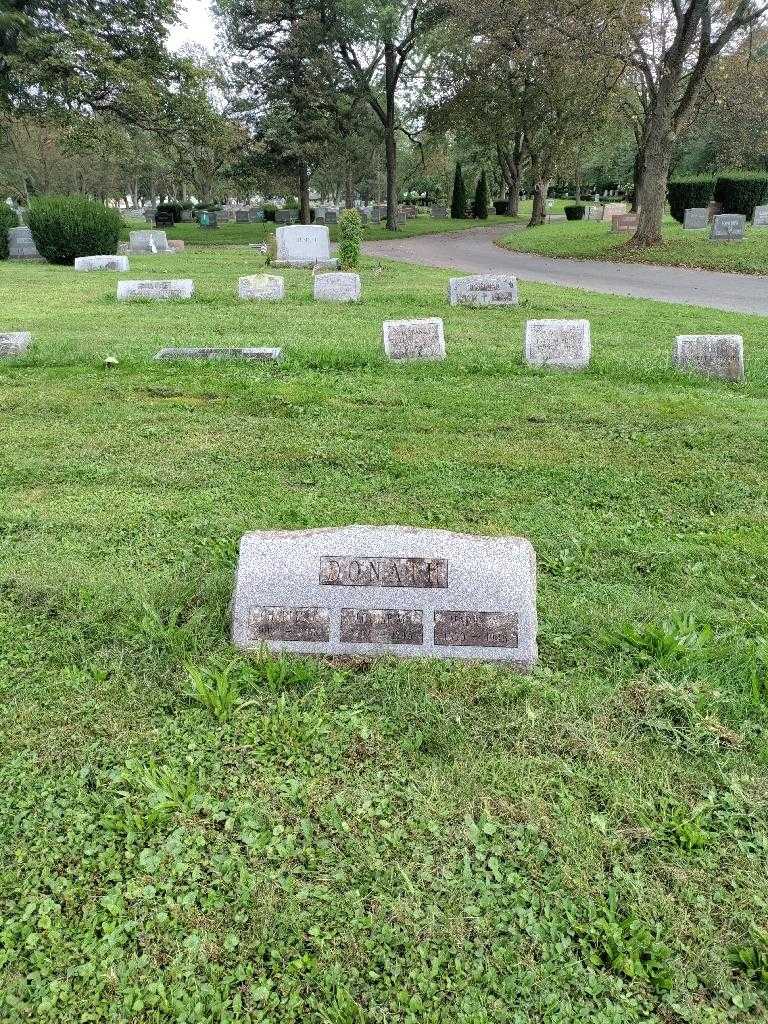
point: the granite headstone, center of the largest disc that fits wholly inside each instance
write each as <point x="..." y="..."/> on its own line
<point x="728" y="227"/>
<point x="14" y="343"/>
<point x="337" y="287"/>
<point x="414" y="339"/>
<point x="696" y="218"/>
<point x="714" y="355"/>
<point x="269" y="287"/>
<point x="179" y="289"/>
<point x="559" y="344"/>
<point x="483" y="290"/>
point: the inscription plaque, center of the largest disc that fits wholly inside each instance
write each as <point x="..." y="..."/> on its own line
<point x="381" y="625"/>
<point x="343" y="571"/>
<point x="475" y="629"/>
<point x="292" y="624"/>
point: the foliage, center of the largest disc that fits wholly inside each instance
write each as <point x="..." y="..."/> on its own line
<point x="687" y="193"/>
<point x="64" y="227"/>
<point x="8" y="219"/>
<point x="480" y="202"/>
<point x="458" y="195"/>
<point x="173" y="208"/>
<point x="350" y="239"/>
<point x="574" y="212"/>
<point x="741" y="192"/>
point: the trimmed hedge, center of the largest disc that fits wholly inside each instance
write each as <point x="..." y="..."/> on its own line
<point x="741" y="191"/>
<point x="687" y="193"/>
<point x="8" y="220"/>
<point x="173" y="208"/>
<point x="350" y="239"/>
<point x="575" y="212"/>
<point x="64" y="227"/>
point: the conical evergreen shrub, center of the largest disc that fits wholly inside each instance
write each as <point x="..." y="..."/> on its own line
<point x="480" y="203"/>
<point x="459" y="199"/>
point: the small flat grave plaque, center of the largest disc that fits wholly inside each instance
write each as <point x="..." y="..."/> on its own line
<point x="696" y="218"/>
<point x="714" y="355"/>
<point x="262" y="355"/>
<point x="337" y="287"/>
<point x="760" y="217"/>
<point x="560" y="344"/>
<point x="14" y="343"/>
<point x="483" y="290"/>
<point x="118" y="263"/>
<point x="360" y="591"/>
<point x="268" y="287"/>
<point x="728" y="227"/>
<point x="181" y="289"/>
<point x="414" y="339"/>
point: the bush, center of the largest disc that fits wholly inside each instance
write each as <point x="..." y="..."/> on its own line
<point x="687" y="193"/>
<point x="501" y="206"/>
<point x="8" y="220"/>
<point x="741" y="191"/>
<point x="480" y="202"/>
<point x="350" y="239"/>
<point x="173" y="208"/>
<point x="64" y="227"/>
<point x="575" y="212"/>
<point x="459" y="199"/>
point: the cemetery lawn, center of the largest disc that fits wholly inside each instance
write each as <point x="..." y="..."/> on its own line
<point x="419" y="843"/>
<point x="589" y="240"/>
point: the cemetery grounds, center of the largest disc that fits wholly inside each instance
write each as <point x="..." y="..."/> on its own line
<point x="193" y="835"/>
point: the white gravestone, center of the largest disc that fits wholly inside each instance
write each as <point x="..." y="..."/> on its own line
<point x="337" y="287"/>
<point x="560" y="344"/>
<point x="696" y="218"/>
<point x="611" y="210"/>
<point x="149" y="242"/>
<point x="21" y="244"/>
<point x="14" y="343"/>
<point x="181" y="289"/>
<point x="261" y="355"/>
<point x="119" y="263"/>
<point x="728" y="227"/>
<point x="363" y="591"/>
<point x="760" y="217"/>
<point x="269" y="287"/>
<point x="414" y="339"/>
<point x="714" y="355"/>
<point x="303" y="245"/>
<point x="483" y="290"/>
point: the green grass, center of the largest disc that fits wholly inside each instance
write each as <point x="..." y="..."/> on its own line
<point x="191" y="835"/>
<point x="590" y="240"/>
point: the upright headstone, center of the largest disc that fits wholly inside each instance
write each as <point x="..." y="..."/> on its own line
<point x="595" y="212"/>
<point x="148" y="242"/>
<point x="268" y="287"/>
<point x="164" y="219"/>
<point x="331" y="217"/>
<point x="483" y="290"/>
<point x="363" y="591"/>
<point x="259" y="355"/>
<point x="760" y="217"/>
<point x="256" y="216"/>
<point x="375" y="215"/>
<point x="559" y="344"/>
<point x="624" y="223"/>
<point x="242" y="216"/>
<point x="337" y="287"/>
<point x="440" y="212"/>
<point x="696" y="218"/>
<point x="728" y="227"/>
<point x="715" y="355"/>
<point x="414" y="339"/>
<point x="302" y="245"/>
<point x="180" y="289"/>
<point x="119" y="263"/>
<point x="14" y="343"/>
<point x="286" y="216"/>
<point x="21" y="244"/>
<point x="209" y="218"/>
<point x="610" y="210"/>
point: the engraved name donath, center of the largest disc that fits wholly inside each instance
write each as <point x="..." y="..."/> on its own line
<point x="347" y="571"/>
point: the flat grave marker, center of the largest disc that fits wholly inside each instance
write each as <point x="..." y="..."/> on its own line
<point x="414" y="339"/>
<point x="14" y="343"/>
<point x="183" y="288"/>
<point x="363" y="591"/>
<point x="265" y="287"/>
<point x="559" y="344"/>
<point x="261" y="355"/>
<point x="118" y="263"/>
<point x="483" y="290"/>
<point x="714" y="355"/>
<point x="337" y="287"/>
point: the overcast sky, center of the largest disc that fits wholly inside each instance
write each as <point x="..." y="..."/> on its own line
<point x="196" y="25"/>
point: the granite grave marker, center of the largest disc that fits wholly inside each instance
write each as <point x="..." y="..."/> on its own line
<point x="337" y="287"/>
<point x="179" y="289"/>
<point x="483" y="290"/>
<point x="728" y="227"/>
<point x="261" y="355"/>
<point x="14" y="343"/>
<point x="696" y="218"/>
<point x="414" y="339"/>
<point x="269" y="287"/>
<point x="118" y="263"/>
<point x="714" y="355"/>
<point x="559" y="344"/>
<point x="302" y="245"/>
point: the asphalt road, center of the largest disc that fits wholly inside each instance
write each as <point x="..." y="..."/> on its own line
<point x="474" y="251"/>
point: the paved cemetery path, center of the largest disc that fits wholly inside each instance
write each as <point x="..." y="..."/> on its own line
<point x="474" y="251"/>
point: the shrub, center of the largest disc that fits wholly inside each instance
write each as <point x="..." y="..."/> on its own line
<point x="64" y="227"/>
<point x="501" y="206"/>
<point x="350" y="239"/>
<point x="8" y="220"/>
<point x="741" y="191"/>
<point x="459" y="199"/>
<point x="689" y="192"/>
<point x="574" y="212"/>
<point x="173" y="208"/>
<point x="480" y="202"/>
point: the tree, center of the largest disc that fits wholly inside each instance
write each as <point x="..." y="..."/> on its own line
<point x="459" y="196"/>
<point x="480" y="202"/>
<point x="670" y="50"/>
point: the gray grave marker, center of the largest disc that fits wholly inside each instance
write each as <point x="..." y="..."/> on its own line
<point x="337" y="287"/>
<point x="268" y="287"/>
<point x="302" y="245"/>
<point x="180" y="289"/>
<point x="149" y="242"/>
<point x="560" y="344"/>
<point x="261" y="355"/>
<point x="414" y="339"/>
<point x="696" y="218"/>
<point x="362" y="591"/>
<point x="118" y="263"/>
<point x="760" y="217"/>
<point x="14" y="343"/>
<point x="728" y="227"/>
<point x="21" y="244"/>
<point x="483" y="290"/>
<point x="715" y="355"/>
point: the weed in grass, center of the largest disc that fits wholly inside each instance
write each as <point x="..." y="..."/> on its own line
<point x="216" y="688"/>
<point x="751" y="959"/>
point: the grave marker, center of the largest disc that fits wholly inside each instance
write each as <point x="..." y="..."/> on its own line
<point x="611" y="210"/>
<point x="148" y="242"/>
<point x="728" y="227"/>
<point x="302" y="245"/>
<point x="696" y="218"/>
<point x="14" y="343"/>
<point x="262" y="355"/>
<point x="21" y="244"/>
<point x="118" y="263"/>
<point x="180" y="289"/>
<point x="559" y="344"/>
<point x="760" y="217"/>
<point x="624" y="223"/>
<point x="337" y="287"/>
<point x="414" y="339"/>
<point x="714" y="355"/>
<point x="267" y="287"/>
<point x="362" y="591"/>
<point x="483" y="290"/>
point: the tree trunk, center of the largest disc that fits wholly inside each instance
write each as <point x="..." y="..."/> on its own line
<point x="349" y="196"/>
<point x="304" y="214"/>
<point x="509" y="162"/>
<point x="637" y="177"/>
<point x="539" y="211"/>
<point x="656" y="156"/>
<point x="390" y="143"/>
